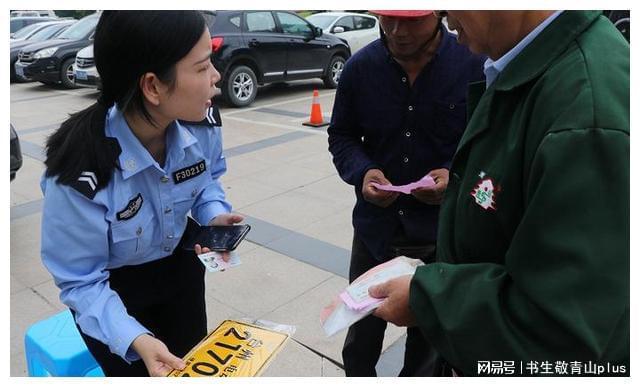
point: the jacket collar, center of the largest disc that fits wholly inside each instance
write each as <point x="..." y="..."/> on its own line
<point x="529" y="64"/>
<point x="545" y="48"/>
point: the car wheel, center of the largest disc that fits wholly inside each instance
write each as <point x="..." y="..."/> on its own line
<point x="241" y="86"/>
<point x="66" y="74"/>
<point x="332" y="77"/>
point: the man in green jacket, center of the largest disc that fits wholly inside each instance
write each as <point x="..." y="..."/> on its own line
<point x="532" y="271"/>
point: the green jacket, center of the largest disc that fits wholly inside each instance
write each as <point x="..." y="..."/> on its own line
<point x="533" y="244"/>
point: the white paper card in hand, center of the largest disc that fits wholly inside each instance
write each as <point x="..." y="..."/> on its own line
<point x="213" y="261"/>
<point x="359" y="290"/>
<point x="339" y="315"/>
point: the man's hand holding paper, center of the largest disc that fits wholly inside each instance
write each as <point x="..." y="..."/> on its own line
<point x="382" y="198"/>
<point x="395" y="307"/>
<point x="433" y="194"/>
<point x="429" y="189"/>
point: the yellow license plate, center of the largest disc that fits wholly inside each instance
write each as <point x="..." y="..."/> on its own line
<point x="233" y="349"/>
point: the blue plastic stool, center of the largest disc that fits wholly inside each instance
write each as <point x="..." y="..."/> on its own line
<point x="53" y="347"/>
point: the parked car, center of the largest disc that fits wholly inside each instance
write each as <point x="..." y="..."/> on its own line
<point x="24" y="13"/>
<point x="18" y="23"/>
<point x="32" y="13"/>
<point x="357" y="29"/>
<point x="84" y="69"/>
<point x="25" y="32"/>
<point x="252" y="48"/>
<point x="15" y="153"/>
<point x="52" y="61"/>
<point x="49" y="30"/>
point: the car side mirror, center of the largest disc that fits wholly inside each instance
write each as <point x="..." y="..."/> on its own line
<point x="317" y="32"/>
<point x="337" y="30"/>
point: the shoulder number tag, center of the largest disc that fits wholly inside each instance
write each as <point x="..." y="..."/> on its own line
<point x="131" y="209"/>
<point x="189" y="172"/>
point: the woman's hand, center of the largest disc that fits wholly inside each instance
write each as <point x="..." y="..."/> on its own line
<point x="221" y="220"/>
<point x="156" y="356"/>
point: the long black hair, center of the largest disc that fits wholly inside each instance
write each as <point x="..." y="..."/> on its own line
<point x="127" y="45"/>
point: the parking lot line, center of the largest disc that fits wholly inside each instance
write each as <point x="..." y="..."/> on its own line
<point x="32" y="150"/>
<point x="282" y="112"/>
<point x="38" y="129"/>
<point x="300" y="247"/>
<point x="26" y="209"/>
<point x="59" y="94"/>
<point x="267" y="142"/>
<point x="283" y="102"/>
<point x="279" y="126"/>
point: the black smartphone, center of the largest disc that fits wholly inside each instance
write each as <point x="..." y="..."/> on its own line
<point x="218" y="238"/>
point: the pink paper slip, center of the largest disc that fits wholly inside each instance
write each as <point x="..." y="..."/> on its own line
<point x="353" y="305"/>
<point x="426" y="181"/>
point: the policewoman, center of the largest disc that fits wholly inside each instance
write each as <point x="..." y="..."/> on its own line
<point x="121" y="177"/>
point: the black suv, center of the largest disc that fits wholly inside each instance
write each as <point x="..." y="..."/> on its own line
<point x="252" y="48"/>
<point x="51" y="61"/>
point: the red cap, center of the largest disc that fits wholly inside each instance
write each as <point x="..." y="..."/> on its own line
<point x="402" y="13"/>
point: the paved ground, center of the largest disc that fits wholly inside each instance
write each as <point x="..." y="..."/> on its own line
<point x="279" y="175"/>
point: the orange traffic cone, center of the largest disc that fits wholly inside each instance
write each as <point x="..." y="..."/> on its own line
<point x="316" y="119"/>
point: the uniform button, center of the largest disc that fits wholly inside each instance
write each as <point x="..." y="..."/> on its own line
<point x="452" y="106"/>
<point x="167" y="249"/>
<point x="404" y="79"/>
<point x="400" y="212"/>
<point x="167" y="210"/>
<point x="139" y="231"/>
<point x="408" y="134"/>
<point x="164" y="179"/>
<point x="410" y="108"/>
<point x="194" y="192"/>
<point x="406" y="159"/>
<point x="169" y="236"/>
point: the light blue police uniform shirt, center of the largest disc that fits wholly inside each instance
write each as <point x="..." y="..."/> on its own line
<point x="493" y="68"/>
<point x="139" y="217"/>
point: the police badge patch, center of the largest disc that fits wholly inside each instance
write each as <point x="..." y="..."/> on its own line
<point x="131" y="209"/>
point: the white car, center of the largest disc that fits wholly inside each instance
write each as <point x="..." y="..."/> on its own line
<point x="84" y="69"/>
<point x="356" y="28"/>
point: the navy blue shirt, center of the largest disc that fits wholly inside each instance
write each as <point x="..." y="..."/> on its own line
<point x="380" y="121"/>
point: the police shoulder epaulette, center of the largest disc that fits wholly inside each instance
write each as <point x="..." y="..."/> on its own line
<point x="86" y="184"/>
<point x="211" y="119"/>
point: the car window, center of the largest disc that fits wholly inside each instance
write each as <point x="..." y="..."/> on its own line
<point x="235" y="21"/>
<point x="16" y="25"/>
<point x="292" y="24"/>
<point x="322" y="21"/>
<point x="363" y="23"/>
<point x="47" y="32"/>
<point x="345" y="22"/>
<point x="26" y="31"/>
<point x="80" y="29"/>
<point x="260" y="22"/>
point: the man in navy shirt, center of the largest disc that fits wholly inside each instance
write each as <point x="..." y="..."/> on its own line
<point x="399" y="112"/>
